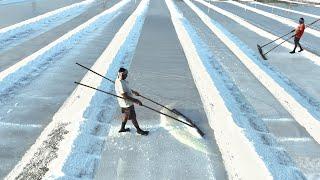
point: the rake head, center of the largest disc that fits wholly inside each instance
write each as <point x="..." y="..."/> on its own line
<point x="261" y="52"/>
<point x="190" y="121"/>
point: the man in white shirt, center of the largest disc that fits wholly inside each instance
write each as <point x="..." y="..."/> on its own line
<point x="127" y="108"/>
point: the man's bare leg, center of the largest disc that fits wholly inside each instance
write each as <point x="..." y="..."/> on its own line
<point x="136" y="125"/>
<point x="125" y="118"/>
<point x="295" y="47"/>
<point x="300" y="47"/>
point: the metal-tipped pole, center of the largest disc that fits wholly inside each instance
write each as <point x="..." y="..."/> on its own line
<point x="163" y="106"/>
<point x="171" y="110"/>
<point x="279" y="44"/>
<point x="142" y="104"/>
<point x="277" y="38"/>
<point x="308" y="25"/>
<point x="285" y="39"/>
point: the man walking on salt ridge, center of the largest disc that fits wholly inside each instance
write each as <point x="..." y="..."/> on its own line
<point x="127" y="108"/>
<point x="298" y="34"/>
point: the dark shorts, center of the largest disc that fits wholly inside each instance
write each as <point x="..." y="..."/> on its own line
<point x="129" y="111"/>
<point x="296" y="40"/>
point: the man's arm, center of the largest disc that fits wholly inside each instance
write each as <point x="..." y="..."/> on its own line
<point x="126" y="96"/>
<point x="135" y="93"/>
<point x="297" y="30"/>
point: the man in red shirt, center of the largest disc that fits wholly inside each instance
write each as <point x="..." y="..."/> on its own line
<point x="298" y="34"/>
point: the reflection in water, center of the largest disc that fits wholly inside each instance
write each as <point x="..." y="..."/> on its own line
<point x="34" y="8"/>
<point x="104" y="4"/>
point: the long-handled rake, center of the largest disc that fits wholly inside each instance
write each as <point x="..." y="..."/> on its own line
<point x="260" y="48"/>
<point x="191" y="124"/>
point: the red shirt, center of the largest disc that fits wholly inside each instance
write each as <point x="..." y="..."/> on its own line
<point x="300" y="30"/>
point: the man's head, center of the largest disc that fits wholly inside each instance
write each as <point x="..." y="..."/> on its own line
<point x="122" y="73"/>
<point x="301" y="20"/>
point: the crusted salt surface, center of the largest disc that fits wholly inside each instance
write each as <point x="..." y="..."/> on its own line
<point x="280" y="19"/>
<point x="302" y="107"/>
<point x="311" y="56"/>
<point x="303" y="2"/>
<point x="278" y="120"/>
<point x="288" y="10"/>
<point x="91" y="108"/>
<point x="312" y="103"/>
<point x="295" y="139"/>
<point x="16" y="125"/>
<point x="31" y="65"/>
<point x="6" y="2"/>
<point x="223" y="104"/>
<point x="70" y="134"/>
<point x="12" y="35"/>
<point x="167" y="152"/>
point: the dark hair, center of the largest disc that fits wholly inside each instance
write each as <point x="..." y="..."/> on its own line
<point x="301" y="20"/>
<point x="122" y="69"/>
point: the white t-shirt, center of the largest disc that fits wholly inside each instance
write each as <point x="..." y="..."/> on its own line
<point x="121" y="87"/>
